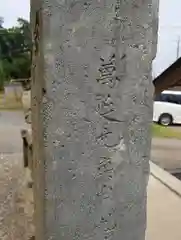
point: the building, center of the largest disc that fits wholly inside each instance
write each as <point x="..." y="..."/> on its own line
<point x="169" y="79"/>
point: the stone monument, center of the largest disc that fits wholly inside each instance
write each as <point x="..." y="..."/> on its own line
<point x="92" y="111"/>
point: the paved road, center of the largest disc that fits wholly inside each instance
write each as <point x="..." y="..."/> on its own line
<point x="13" y="221"/>
<point x="10" y="125"/>
<point x="167" y="154"/>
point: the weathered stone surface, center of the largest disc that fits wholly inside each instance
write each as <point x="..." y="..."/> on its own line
<point x="93" y="95"/>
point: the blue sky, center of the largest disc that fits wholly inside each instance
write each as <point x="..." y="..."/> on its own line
<point x="10" y="10"/>
<point x="169" y="27"/>
<point x="168" y="35"/>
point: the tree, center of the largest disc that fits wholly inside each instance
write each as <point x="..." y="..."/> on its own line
<point x="15" y="50"/>
<point x="25" y="29"/>
<point x="1" y="22"/>
<point x="2" y="76"/>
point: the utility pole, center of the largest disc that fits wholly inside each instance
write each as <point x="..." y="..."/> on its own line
<point x="92" y="107"/>
<point x="178" y="47"/>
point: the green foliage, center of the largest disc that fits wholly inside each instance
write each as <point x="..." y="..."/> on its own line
<point x="15" y="51"/>
<point x="1" y="22"/>
<point x="2" y="76"/>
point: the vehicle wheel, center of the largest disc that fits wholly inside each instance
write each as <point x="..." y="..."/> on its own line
<point x="165" y="119"/>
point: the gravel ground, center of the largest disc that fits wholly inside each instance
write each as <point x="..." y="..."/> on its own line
<point x="15" y="215"/>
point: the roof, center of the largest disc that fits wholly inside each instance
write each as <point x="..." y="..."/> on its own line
<point x="171" y="77"/>
<point x="172" y="92"/>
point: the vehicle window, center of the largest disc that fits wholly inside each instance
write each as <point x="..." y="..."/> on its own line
<point x="171" y="98"/>
<point x="161" y="98"/>
<point x="178" y="99"/>
<point x="157" y="98"/>
<point x="165" y="98"/>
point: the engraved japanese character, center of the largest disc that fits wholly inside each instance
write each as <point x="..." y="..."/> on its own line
<point x="108" y="72"/>
<point x="105" y="105"/>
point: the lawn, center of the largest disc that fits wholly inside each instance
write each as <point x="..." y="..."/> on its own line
<point x="9" y="104"/>
<point x="165" y="132"/>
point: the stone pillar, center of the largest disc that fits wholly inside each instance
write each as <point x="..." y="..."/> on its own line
<point x="92" y="110"/>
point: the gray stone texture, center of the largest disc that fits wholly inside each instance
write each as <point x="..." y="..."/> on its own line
<point x="92" y="93"/>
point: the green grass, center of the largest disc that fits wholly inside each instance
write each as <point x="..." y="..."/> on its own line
<point x="165" y="132"/>
<point x="9" y="104"/>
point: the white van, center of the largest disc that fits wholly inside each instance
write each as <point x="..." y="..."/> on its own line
<point x="167" y="108"/>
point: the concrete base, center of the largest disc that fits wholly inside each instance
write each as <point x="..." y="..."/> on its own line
<point x="164" y="206"/>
